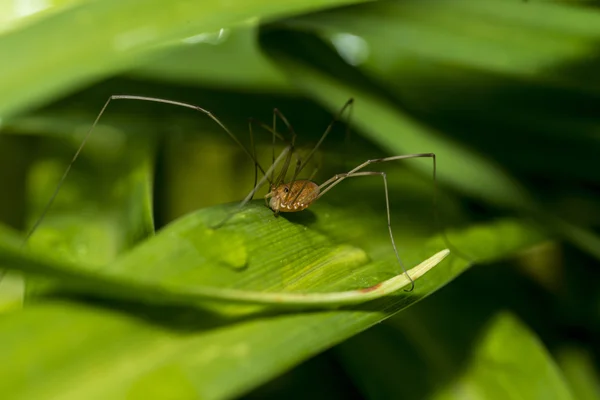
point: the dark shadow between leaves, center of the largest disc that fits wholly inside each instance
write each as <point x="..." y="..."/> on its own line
<point x="430" y="346"/>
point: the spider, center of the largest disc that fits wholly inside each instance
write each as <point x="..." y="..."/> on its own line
<point x="292" y="196"/>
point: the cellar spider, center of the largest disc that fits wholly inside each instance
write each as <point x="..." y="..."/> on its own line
<point x="292" y="196"/>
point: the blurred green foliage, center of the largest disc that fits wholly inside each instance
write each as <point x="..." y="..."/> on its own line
<point x="504" y="92"/>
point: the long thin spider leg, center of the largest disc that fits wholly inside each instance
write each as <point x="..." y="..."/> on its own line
<point x="260" y="184"/>
<point x="347" y="136"/>
<point x="336" y="118"/>
<point x="88" y="134"/>
<point x="253" y="153"/>
<point x="275" y="135"/>
<point x="299" y="164"/>
<point x="299" y="167"/>
<point x="138" y="98"/>
<point x="291" y="184"/>
<point x="341" y="177"/>
<point x="186" y="105"/>
<point x="279" y="114"/>
<point x="273" y="147"/>
<point x="266" y="127"/>
<point x="326" y="186"/>
<point x="64" y="175"/>
<point x="283" y="173"/>
<point x="330" y="183"/>
<point x="335" y="180"/>
<point x="276" y="181"/>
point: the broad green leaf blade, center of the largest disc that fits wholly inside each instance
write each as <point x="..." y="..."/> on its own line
<point x="577" y="366"/>
<point x="506" y="360"/>
<point x="170" y="263"/>
<point x="214" y="60"/>
<point x="510" y="359"/>
<point x="180" y="294"/>
<point x="108" y="36"/>
<point x="509" y="39"/>
<point x="126" y="351"/>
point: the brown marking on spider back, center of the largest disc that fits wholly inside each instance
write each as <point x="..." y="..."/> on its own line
<point x="293" y="198"/>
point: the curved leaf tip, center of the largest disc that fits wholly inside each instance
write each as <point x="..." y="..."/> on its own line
<point x="332" y="299"/>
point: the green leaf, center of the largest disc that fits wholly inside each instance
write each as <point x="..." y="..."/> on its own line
<point x="577" y="366"/>
<point x="209" y="247"/>
<point x="12" y="291"/>
<point x="12" y="287"/>
<point x="510" y="361"/>
<point x="117" y="350"/>
<point x="108" y="36"/>
<point x="215" y="61"/>
<point x="506" y="360"/>
<point x="128" y="315"/>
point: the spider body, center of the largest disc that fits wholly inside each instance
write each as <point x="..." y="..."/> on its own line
<point x="292" y="197"/>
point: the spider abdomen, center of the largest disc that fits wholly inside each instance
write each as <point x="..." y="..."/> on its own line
<point x="295" y="197"/>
